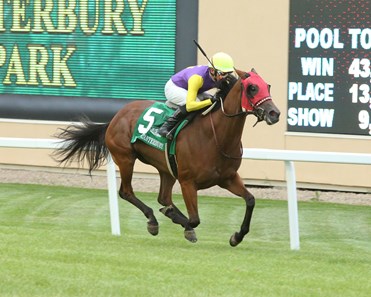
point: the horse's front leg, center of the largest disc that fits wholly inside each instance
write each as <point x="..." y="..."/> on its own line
<point x="237" y="187"/>
<point x="190" y="199"/>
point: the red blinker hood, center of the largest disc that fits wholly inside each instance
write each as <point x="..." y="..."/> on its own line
<point x="248" y="102"/>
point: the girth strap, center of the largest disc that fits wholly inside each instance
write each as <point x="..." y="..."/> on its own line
<point x="171" y="160"/>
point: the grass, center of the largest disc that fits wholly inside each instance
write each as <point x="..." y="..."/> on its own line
<point x="56" y="241"/>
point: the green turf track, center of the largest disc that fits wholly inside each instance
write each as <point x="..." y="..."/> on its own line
<point x="56" y="241"/>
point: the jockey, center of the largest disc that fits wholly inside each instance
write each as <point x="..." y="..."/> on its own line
<point x="188" y="88"/>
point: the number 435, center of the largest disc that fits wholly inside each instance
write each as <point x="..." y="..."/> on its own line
<point x="360" y="68"/>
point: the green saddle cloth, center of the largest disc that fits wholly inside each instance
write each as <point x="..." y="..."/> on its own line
<point x="149" y="123"/>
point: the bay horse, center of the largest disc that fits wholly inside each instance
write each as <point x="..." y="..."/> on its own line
<point x="208" y="151"/>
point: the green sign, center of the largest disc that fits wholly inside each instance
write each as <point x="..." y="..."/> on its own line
<point x="87" y="48"/>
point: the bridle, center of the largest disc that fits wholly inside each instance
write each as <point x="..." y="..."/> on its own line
<point x="257" y="111"/>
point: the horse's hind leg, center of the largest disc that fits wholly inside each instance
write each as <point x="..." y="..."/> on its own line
<point x="170" y="210"/>
<point x="126" y="192"/>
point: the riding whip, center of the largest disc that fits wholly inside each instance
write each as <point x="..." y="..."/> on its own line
<point x="203" y="52"/>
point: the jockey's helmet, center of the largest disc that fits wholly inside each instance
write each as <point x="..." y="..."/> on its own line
<point x="222" y="62"/>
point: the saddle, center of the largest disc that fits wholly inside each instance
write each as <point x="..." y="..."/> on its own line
<point x="146" y="130"/>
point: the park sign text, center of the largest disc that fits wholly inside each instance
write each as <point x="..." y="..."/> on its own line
<point x="89" y="48"/>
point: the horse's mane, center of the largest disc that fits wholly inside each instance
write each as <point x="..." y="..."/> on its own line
<point x="224" y="86"/>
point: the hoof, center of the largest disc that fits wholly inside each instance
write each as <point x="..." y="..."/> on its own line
<point x="233" y="240"/>
<point x="152" y="229"/>
<point x="190" y="235"/>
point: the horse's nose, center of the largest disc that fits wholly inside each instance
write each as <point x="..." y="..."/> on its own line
<point x="274" y="116"/>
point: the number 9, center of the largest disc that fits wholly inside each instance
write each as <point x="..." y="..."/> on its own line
<point x="364" y="119"/>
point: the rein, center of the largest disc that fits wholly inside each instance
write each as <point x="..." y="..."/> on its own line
<point x="217" y="143"/>
<point x="241" y="113"/>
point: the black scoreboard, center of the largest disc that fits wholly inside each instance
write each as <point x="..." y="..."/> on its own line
<point x="329" y="67"/>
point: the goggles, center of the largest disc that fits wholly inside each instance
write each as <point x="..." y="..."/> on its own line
<point x="223" y="74"/>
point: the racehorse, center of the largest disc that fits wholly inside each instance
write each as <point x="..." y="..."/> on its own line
<point x="208" y="151"/>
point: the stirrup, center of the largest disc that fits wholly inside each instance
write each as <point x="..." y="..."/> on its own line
<point x="171" y="133"/>
<point x="163" y="134"/>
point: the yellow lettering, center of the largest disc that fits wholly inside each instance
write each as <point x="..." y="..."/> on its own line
<point x="137" y="14"/>
<point x="2" y="55"/>
<point x="19" y="16"/>
<point x="15" y="68"/>
<point x="2" y="28"/>
<point x="67" y="19"/>
<point x="84" y="16"/>
<point x="39" y="58"/>
<point x="60" y="68"/>
<point x="42" y="15"/>
<point x="112" y="18"/>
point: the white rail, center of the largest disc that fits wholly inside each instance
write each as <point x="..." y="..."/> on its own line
<point x="288" y="156"/>
<point x="41" y="143"/>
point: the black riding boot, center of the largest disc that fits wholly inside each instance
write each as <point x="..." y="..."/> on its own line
<point x="170" y="123"/>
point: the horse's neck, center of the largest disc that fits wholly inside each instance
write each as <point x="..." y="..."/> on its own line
<point x="232" y="102"/>
<point x="230" y="128"/>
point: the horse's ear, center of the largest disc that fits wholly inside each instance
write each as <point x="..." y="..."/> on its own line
<point x="253" y="70"/>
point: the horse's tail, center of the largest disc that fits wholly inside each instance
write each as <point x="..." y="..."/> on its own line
<point x="83" y="141"/>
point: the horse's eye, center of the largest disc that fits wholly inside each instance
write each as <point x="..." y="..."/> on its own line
<point x="253" y="89"/>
